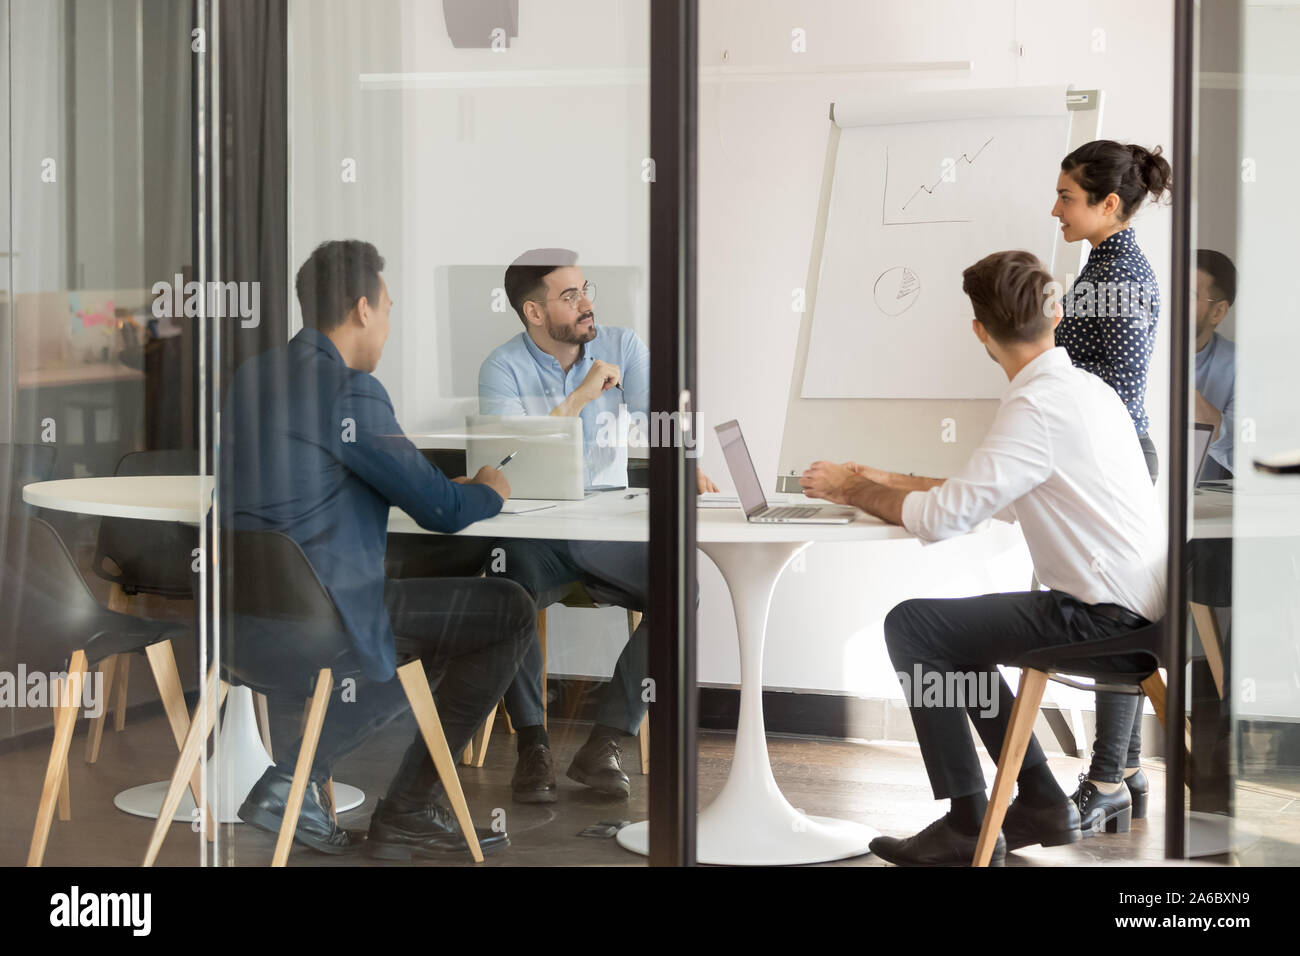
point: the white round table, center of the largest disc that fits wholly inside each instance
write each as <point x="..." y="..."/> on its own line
<point x="239" y="756"/>
<point x="750" y="822"/>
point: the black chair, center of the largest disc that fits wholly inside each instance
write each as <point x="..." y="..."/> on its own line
<point x="1143" y="646"/>
<point x="141" y="557"/>
<point x="64" y="630"/>
<point x="282" y="636"/>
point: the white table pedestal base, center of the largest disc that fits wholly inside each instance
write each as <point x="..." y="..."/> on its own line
<point x="241" y="760"/>
<point x="751" y="823"/>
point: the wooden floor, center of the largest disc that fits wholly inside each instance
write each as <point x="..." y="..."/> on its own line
<point x="880" y="784"/>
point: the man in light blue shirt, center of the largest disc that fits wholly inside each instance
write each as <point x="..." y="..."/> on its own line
<point x="564" y="364"/>
<point x="1216" y="288"/>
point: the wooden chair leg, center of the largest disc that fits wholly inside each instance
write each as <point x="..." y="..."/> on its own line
<point x="482" y="737"/>
<point x="65" y="796"/>
<point x="187" y="765"/>
<point x="64" y="718"/>
<point x="1019" y="731"/>
<point x="262" y="713"/>
<point x="644" y="735"/>
<point x="162" y="661"/>
<point x="121" y="681"/>
<point x="420" y="697"/>
<point x="1154" y="688"/>
<point x="541" y="643"/>
<point x="1207" y="626"/>
<point x="510" y="726"/>
<point x="122" y="603"/>
<point x="320" y="699"/>
<point x="95" y="734"/>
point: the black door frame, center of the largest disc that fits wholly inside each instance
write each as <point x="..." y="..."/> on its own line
<point x="1181" y="284"/>
<point x="673" y="99"/>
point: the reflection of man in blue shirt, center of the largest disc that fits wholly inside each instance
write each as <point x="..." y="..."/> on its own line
<point x="1216" y="288"/>
<point x="564" y="364"/>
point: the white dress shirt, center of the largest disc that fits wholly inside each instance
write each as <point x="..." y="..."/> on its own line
<point x="1063" y="460"/>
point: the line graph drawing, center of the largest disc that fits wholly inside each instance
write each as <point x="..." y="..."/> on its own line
<point x="968" y="159"/>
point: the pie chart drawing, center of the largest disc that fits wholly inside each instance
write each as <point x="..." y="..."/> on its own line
<point x="896" y="290"/>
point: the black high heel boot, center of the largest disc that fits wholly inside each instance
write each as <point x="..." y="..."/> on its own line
<point x="1138" y="788"/>
<point x="1102" y="812"/>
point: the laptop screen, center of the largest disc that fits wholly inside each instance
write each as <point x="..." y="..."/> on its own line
<point x="1200" y="449"/>
<point x="748" y="488"/>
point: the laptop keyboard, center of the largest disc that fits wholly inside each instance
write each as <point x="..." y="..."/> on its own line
<point x="791" y="512"/>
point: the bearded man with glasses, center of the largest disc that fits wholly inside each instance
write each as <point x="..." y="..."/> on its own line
<point x="564" y="364"/>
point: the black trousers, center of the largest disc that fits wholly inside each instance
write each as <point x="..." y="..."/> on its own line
<point x="612" y="571"/>
<point x="470" y="634"/>
<point x="946" y="651"/>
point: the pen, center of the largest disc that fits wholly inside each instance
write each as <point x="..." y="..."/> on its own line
<point x="506" y="460"/>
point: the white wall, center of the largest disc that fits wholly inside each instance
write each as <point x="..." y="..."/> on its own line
<point x="455" y="172"/>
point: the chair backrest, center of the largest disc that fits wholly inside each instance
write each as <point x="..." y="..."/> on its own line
<point x="20" y="465"/>
<point x="46" y="609"/>
<point x="280" y="625"/>
<point x="150" y="556"/>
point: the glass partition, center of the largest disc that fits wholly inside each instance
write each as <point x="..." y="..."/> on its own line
<point x="1243" y="773"/>
<point x="99" y="427"/>
<point x="464" y="318"/>
<point x="855" y="159"/>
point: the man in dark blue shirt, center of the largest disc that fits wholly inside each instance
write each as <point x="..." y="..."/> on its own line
<point x="310" y="447"/>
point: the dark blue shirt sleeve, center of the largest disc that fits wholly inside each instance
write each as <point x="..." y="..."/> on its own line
<point x="372" y="445"/>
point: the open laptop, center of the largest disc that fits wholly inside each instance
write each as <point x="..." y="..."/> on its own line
<point x="750" y="489"/>
<point x="548" y="463"/>
<point x="1200" y="451"/>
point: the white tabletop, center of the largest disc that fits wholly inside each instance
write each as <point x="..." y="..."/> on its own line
<point x="608" y="516"/>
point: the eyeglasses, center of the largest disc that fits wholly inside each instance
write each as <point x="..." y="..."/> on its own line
<point x="571" y="297"/>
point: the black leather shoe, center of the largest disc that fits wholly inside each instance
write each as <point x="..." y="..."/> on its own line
<point x="264" y="809"/>
<point x="597" y="766"/>
<point x="939" y="844"/>
<point x="1102" y="812"/>
<point x="1056" y="825"/>
<point x="534" y="779"/>
<point x="1138" y="789"/>
<point x="402" y="831"/>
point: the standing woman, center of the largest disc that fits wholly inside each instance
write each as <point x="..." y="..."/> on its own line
<point x="1109" y="329"/>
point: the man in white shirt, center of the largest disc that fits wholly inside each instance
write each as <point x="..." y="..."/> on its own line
<point x="1059" y="458"/>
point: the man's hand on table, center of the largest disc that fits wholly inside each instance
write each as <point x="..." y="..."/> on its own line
<point x="850" y="484"/>
<point x="494" y="478"/>
<point x="704" y="482"/>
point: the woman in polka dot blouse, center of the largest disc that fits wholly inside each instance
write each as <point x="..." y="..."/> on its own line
<point x="1110" y="312"/>
<point x="1109" y="328"/>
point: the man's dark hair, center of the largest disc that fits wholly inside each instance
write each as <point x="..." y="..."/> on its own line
<point x="525" y="277"/>
<point x="334" y="277"/>
<point x="1007" y="291"/>
<point x="1222" y="273"/>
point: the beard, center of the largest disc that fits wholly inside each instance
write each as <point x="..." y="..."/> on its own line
<point x="571" y="334"/>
